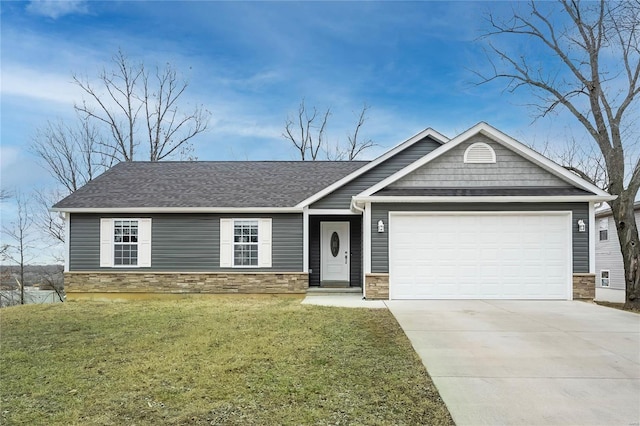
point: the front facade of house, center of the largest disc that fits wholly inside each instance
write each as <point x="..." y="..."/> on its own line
<point x="610" y="281"/>
<point x="479" y="216"/>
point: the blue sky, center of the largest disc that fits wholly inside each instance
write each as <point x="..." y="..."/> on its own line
<point x="250" y="64"/>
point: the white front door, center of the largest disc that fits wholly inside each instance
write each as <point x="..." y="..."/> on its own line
<point x="334" y="252"/>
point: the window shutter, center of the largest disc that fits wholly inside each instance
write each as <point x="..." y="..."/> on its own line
<point x="106" y="243"/>
<point x="226" y="243"/>
<point x="264" y="243"/>
<point x="144" y="243"/>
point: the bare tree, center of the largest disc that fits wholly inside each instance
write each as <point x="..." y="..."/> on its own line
<point x="48" y="222"/>
<point x="356" y="146"/>
<point x="307" y="132"/>
<point x="592" y="70"/>
<point x="71" y="154"/>
<point x="18" y="248"/>
<point x="127" y="97"/>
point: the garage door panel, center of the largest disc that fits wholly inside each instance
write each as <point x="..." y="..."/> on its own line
<point x="484" y="255"/>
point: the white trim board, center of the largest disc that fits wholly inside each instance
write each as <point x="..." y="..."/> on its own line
<point x="332" y="212"/>
<point x="481" y="199"/>
<point x="501" y="138"/>
<point x="138" y="210"/>
<point x="429" y="132"/>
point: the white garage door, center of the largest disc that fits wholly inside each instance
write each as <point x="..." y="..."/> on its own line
<point x="479" y="255"/>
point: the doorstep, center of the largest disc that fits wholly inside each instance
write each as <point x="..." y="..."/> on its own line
<point x="321" y="291"/>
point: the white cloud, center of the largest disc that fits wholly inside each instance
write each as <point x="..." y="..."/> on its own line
<point x="31" y="83"/>
<point x="54" y="9"/>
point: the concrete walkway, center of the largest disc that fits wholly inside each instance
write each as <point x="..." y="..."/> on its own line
<point x="343" y="301"/>
<point x="528" y="362"/>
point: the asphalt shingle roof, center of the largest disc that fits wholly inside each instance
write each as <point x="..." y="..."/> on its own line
<point x="208" y="184"/>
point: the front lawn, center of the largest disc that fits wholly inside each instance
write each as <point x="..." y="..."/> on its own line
<point x="225" y="360"/>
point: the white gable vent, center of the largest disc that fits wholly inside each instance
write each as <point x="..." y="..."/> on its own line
<point x="479" y="153"/>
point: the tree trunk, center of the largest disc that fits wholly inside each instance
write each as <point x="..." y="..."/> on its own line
<point x="22" y="282"/>
<point x="623" y="212"/>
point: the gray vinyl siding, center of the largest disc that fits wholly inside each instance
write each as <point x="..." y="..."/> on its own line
<point x="355" y="244"/>
<point x="608" y="254"/>
<point x="341" y="197"/>
<point x="187" y="242"/>
<point x="450" y="171"/>
<point x="380" y="241"/>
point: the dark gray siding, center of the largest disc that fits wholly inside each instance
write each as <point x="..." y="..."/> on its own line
<point x="341" y="197"/>
<point x="380" y="241"/>
<point x="187" y="242"/>
<point x="355" y="243"/>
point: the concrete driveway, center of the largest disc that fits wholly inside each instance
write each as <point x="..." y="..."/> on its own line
<point x="528" y="362"/>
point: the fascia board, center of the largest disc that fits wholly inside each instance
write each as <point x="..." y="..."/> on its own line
<point x="178" y="210"/>
<point x="429" y="132"/>
<point x="483" y="199"/>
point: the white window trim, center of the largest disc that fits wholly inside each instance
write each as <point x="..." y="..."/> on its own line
<point x="486" y="146"/>
<point x="227" y="258"/>
<point x="107" y="244"/>
<point x="603" y="225"/>
<point x="251" y="222"/>
<point x="608" y="278"/>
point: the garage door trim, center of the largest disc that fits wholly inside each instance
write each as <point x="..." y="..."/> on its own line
<point x="568" y="235"/>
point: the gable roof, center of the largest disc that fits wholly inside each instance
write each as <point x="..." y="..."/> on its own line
<point x="496" y="135"/>
<point x="426" y="133"/>
<point x="206" y="186"/>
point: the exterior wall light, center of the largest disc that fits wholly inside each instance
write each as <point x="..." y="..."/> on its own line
<point x="380" y="226"/>
<point x="581" y="226"/>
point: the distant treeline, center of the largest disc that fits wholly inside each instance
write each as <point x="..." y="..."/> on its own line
<point x="34" y="275"/>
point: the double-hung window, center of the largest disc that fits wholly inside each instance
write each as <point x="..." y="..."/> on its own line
<point x="125" y="242"/>
<point x="603" y="227"/>
<point x="245" y="243"/>
<point x="604" y="278"/>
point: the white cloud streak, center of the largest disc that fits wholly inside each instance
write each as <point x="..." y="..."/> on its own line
<point x="55" y="9"/>
<point x="38" y="85"/>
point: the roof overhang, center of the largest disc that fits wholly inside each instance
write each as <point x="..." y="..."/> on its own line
<point x="143" y="210"/>
<point x="360" y="201"/>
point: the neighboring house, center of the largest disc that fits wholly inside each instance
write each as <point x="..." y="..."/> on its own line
<point x="610" y="282"/>
<point x="480" y="216"/>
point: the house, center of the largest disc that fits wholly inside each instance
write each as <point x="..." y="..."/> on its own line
<point x="479" y="216"/>
<point x="610" y="282"/>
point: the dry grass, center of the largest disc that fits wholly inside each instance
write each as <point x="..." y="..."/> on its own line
<point x="216" y="361"/>
<point x="620" y="306"/>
